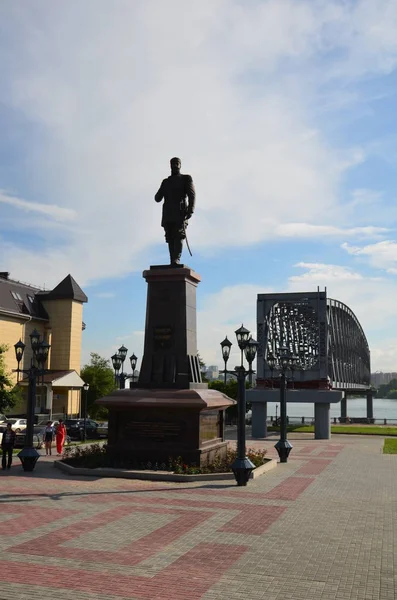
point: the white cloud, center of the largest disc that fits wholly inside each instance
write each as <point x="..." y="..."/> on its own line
<point x="384" y="356"/>
<point x="50" y="210"/>
<point x="382" y="255"/>
<point x="105" y="295"/>
<point x="309" y="230"/>
<point x="113" y="92"/>
<point x="221" y="314"/>
<point x="319" y="273"/>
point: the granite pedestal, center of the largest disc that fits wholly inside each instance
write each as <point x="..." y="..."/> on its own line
<point x="170" y="412"/>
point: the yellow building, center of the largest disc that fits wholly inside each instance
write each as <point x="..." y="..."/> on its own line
<point x="58" y="316"/>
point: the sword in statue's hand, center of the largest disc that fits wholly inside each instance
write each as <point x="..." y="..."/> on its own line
<point x="186" y="215"/>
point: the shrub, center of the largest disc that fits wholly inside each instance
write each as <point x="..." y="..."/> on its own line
<point x="96" y="456"/>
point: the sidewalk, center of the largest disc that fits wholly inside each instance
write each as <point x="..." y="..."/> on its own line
<point x="321" y="526"/>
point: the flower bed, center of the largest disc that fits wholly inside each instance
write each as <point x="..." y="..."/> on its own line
<point x="95" y="457"/>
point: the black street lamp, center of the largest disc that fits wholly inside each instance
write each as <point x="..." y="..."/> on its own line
<point x="285" y="361"/>
<point x="86" y="387"/>
<point x="29" y="455"/>
<point x="242" y="466"/>
<point x="133" y="361"/>
<point x="118" y="364"/>
<point x="226" y="346"/>
<point x="250" y="353"/>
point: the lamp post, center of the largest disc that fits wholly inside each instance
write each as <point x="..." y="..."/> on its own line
<point x="242" y="467"/>
<point x="226" y="345"/>
<point x="86" y="387"/>
<point x="250" y="353"/>
<point x="284" y="361"/>
<point x="118" y="364"/>
<point x="133" y="361"/>
<point x="29" y="455"/>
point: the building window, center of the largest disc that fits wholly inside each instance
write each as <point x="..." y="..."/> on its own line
<point x="16" y="296"/>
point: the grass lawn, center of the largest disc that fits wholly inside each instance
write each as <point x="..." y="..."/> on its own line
<point x="390" y="447"/>
<point x="352" y="429"/>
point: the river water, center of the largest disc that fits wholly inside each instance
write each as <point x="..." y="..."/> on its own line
<point x="356" y="407"/>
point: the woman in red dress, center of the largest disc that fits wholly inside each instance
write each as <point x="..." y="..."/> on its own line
<point x="60" y="436"/>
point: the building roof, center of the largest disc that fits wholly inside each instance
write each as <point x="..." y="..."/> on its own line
<point x="20" y="298"/>
<point x="67" y="378"/>
<point x="67" y="289"/>
<point x="24" y="300"/>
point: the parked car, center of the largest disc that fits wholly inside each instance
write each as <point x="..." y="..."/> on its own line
<point x="102" y="430"/>
<point x="2" y="418"/>
<point x="38" y="436"/>
<point x="17" y="425"/>
<point x="75" y="428"/>
<point x="43" y="423"/>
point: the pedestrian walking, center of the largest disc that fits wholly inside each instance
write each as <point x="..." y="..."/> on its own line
<point x="48" y="438"/>
<point x="60" y="436"/>
<point x="7" y="445"/>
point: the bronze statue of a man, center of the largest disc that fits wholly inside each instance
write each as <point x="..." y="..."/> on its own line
<point x="174" y="190"/>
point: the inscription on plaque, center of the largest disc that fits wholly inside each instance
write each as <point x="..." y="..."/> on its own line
<point x="155" y="430"/>
<point x="162" y="337"/>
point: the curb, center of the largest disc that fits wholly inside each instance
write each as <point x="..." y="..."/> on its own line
<point x="270" y="464"/>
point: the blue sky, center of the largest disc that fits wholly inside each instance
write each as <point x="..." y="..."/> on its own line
<point x="283" y="111"/>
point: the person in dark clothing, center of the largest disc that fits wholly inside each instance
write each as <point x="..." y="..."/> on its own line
<point x="7" y="445"/>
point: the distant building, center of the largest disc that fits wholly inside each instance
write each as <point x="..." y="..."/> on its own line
<point x="212" y="373"/>
<point x="379" y="378"/>
<point x="58" y="316"/>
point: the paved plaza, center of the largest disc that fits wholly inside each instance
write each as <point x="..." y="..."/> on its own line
<point x="322" y="527"/>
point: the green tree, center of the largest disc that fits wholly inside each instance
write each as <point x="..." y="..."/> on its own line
<point x="385" y="388"/>
<point x="9" y="394"/>
<point x="230" y="388"/>
<point x="203" y="368"/>
<point x="100" y="377"/>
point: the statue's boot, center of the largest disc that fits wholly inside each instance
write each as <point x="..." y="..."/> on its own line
<point x="178" y="245"/>
<point x="175" y="248"/>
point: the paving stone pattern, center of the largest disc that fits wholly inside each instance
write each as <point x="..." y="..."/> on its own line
<point x="320" y="527"/>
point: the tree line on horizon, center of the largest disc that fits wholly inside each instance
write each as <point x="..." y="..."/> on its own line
<point x="388" y="390"/>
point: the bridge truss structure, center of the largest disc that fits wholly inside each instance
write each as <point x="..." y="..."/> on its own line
<point x="323" y="334"/>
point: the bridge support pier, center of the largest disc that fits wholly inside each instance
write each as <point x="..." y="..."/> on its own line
<point x="259" y="418"/>
<point x="343" y="408"/>
<point x="322" y="424"/>
<point x="370" y="404"/>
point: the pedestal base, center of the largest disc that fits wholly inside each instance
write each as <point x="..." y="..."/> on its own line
<point x="156" y="426"/>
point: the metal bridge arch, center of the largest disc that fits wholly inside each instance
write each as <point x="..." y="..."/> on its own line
<point x="323" y="333"/>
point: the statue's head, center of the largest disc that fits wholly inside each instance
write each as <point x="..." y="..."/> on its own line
<point x="175" y="165"/>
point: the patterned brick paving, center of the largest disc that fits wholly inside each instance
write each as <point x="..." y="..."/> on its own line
<point x="321" y="526"/>
<point x="313" y="467"/>
<point x="290" y="489"/>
